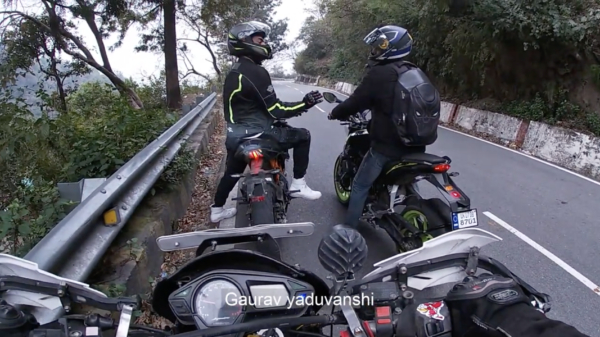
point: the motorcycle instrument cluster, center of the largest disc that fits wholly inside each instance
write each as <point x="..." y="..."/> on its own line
<point x="223" y="298"/>
<point x="216" y="303"/>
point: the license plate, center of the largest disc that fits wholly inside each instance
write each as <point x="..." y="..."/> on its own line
<point x="464" y="219"/>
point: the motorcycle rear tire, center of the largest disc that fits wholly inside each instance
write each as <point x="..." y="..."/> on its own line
<point x="431" y="210"/>
<point x="261" y="212"/>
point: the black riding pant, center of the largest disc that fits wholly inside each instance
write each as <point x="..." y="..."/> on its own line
<point x="288" y="137"/>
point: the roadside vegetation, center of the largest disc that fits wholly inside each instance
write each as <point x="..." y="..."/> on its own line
<point x="66" y="114"/>
<point x="536" y="60"/>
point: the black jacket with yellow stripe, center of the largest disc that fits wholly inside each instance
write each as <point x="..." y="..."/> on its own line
<point x="250" y="104"/>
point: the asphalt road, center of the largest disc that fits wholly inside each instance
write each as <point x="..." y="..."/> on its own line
<point x="556" y="209"/>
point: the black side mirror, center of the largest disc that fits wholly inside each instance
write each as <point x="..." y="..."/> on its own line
<point x="330" y="97"/>
<point x="343" y="252"/>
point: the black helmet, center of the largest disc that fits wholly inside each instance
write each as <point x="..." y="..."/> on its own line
<point x="239" y="41"/>
<point x="389" y="43"/>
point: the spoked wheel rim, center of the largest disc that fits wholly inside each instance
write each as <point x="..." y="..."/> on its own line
<point x="419" y="220"/>
<point x="341" y="193"/>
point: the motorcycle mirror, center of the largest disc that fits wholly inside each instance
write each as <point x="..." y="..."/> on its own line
<point x="343" y="252"/>
<point x="330" y="97"/>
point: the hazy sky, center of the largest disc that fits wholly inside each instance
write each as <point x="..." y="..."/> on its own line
<point x="137" y="65"/>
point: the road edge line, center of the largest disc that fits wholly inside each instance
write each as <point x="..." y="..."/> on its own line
<point x="577" y="275"/>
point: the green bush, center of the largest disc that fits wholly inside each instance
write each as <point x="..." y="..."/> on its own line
<point x="98" y="134"/>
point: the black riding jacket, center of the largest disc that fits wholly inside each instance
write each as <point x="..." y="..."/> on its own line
<point x="525" y="321"/>
<point x="250" y="104"/>
<point x="376" y="92"/>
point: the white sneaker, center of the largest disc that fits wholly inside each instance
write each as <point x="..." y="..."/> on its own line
<point x="304" y="191"/>
<point x="219" y="213"/>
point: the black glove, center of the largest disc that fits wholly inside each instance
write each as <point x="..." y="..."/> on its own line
<point x="312" y="98"/>
<point x="330" y="117"/>
<point x="480" y="304"/>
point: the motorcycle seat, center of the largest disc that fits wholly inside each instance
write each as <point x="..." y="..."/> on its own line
<point x="422" y="158"/>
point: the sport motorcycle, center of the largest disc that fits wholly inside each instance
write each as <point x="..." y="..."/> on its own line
<point x="264" y="188"/>
<point x="242" y="293"/>
<point x="394" y="203"/>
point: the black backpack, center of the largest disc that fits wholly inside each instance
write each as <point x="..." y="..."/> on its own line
<point x="416" y="112"/>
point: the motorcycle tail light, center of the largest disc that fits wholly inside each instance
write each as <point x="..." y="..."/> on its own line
<point x="256" y="161"/>
<point x="441" y="168"/>
<point x="455" y="194"/>
<point x="255" y="154"/>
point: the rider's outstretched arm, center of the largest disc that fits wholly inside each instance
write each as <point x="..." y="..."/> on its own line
<point x="378" y="83"/>
<point x="525" y="321"/>
<point x="261" y="80"/>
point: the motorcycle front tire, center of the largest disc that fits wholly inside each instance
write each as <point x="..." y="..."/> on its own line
<point x="342" y="195"/>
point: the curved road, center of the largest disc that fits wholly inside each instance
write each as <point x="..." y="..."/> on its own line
<point x="554" y="208"/>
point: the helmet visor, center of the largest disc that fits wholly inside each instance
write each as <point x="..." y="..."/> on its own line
<point x="257" y="27"/>
<point x="378" y="42"/>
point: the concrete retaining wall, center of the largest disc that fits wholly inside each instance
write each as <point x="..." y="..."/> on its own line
<point x="570" y="149"/>
<point x="567" y="148"/>
<point x="497" y="125"/>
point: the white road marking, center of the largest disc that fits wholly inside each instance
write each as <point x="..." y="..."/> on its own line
<point x="511" y="150"/>
<point x="319" y="108"/>
<point x="547" y="253"/>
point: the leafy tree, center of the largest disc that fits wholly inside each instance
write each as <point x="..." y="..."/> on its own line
<point x="103" y="17"/>
<point x="475" y="50"/>
<point x="317" y="36"/>
<point x="25" y="46"/>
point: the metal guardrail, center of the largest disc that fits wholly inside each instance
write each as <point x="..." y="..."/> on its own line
<point x="282" y="79"/>
<point x="77" y="243"/>
<point x="307" y="79"/>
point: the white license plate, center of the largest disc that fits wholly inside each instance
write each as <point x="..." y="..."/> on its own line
<point x="464" y="219"/>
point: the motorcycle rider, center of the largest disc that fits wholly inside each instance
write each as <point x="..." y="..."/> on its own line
<point x="251" y="106"/>
<point x="495" y="306"/>
<point x="376" y="92"/>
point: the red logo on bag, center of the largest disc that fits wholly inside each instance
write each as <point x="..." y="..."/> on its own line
<point x="431" y="310"/>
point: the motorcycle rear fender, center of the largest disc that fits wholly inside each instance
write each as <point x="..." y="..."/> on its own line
<point x="444" y="183"/>
<point x="250" y="181"/>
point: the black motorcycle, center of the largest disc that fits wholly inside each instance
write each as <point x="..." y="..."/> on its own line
<point x="241" y="293"/>
<point x="264" y="188"/>
<point x="417" y="219"/>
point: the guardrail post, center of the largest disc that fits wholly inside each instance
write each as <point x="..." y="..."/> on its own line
<point x="79" y="191"/>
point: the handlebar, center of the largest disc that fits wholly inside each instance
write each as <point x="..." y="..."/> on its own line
<point x="385" y="326"/>
<point x="392" y="298"/>
<point x="356" y="120"/>
<point x="269" y="323"/>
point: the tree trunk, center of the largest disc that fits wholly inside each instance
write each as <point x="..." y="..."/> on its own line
<point x="171" y="69"/>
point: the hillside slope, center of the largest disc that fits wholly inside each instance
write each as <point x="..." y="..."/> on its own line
<point x="539" y="61"/>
